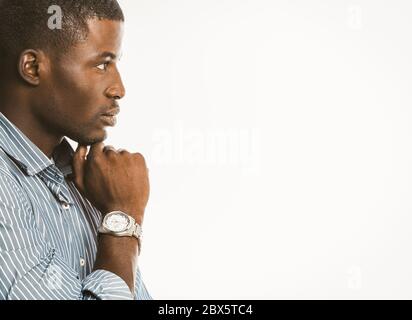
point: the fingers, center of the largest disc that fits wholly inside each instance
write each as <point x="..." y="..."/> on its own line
<point x="81" y="151"/>
<point x="142" y="159"/>
<point x="79" y="160"/>
<point x="96" y="149"/>
<point x="109" y="148"/>
<point x="99" y="148"/>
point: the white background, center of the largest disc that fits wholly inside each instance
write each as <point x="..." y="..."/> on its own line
<point x="278" y="136"/>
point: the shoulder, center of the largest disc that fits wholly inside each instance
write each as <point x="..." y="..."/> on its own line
<point x="14" y="201"/>
<point x="10" y="176"/>
<point x="9" y="168"/>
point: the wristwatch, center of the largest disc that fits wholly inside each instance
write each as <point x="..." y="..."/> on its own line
<point x="120" y="224"/>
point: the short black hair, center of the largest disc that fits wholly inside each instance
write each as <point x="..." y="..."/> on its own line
<point x="24" y="23"/>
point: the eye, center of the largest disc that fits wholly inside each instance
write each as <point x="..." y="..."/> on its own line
<point x="103" y="66"/>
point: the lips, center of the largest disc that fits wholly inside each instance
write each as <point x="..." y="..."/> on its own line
<point x="109" y="117"/>
<point x="112" y="113"/>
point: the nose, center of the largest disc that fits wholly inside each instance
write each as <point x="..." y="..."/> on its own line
<point x="117" y="90"/>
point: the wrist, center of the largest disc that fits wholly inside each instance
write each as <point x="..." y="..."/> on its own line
<point x="136" y="214"/>
<point x="120" y="224"/>
<point x="119" y="256"/>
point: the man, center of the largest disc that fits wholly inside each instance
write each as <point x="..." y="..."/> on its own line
<point x="57" y="83"/>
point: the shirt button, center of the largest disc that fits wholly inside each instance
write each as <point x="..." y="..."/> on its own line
<point x="65" y="206"/>
<point x="82" y="262"/>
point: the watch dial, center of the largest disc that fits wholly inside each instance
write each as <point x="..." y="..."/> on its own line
<point x="117" y="222"/>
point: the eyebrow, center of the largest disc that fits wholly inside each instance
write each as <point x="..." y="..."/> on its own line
<point x="106" y="54"/>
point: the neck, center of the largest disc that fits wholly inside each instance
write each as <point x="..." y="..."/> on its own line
<point x="27" y="123"/>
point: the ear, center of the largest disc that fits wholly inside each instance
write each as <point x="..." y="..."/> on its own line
<point x="31" y="65"/>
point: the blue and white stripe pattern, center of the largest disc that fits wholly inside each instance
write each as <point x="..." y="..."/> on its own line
<point x="48" y="231"/>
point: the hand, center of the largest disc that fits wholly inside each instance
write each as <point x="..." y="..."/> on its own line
<point x="112" y="180"/>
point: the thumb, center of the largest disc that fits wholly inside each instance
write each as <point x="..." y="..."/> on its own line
<point x="79" y="162"/>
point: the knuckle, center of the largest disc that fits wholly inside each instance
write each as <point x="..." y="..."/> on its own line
<point x="139" y="156"/>
<point x="108" y="148"/>
<point x="111" y="154"/>
<point x="123" y="151"/>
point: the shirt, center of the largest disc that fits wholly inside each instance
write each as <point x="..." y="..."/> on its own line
<point x="48" y="230"/>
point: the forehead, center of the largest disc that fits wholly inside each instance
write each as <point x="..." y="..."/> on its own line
<point x="103" y="36"/>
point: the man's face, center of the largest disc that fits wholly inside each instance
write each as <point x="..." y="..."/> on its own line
<point x="80" y="91"/>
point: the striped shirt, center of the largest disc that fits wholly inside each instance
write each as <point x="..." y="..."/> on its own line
<point x="48" y="231"/>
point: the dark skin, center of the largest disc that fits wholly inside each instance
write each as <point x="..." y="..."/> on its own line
<point x="66" y="95"/>
<point x="76" y="95"/>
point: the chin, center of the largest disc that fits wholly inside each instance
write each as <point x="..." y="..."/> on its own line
<point x="90" y="139"/>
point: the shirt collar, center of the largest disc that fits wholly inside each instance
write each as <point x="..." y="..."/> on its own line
<point x="27" y="155"/>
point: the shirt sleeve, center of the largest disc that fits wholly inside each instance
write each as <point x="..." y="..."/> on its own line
<point x="30" y="269"/>
<point x="98" y="281"/>
<point x="141" y="292"/>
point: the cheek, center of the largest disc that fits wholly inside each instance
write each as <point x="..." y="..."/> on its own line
<point x="79" y="95"/>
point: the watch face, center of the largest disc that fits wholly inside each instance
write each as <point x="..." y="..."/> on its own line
<point x="117" y="222"/>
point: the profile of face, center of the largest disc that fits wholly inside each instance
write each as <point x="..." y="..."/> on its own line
<point x="79" y="90"/>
